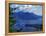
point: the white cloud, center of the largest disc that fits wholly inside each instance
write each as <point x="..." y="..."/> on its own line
<point x="28" y="8"/>
<point x="14" y="5"/>
<point x="38" y="10"/>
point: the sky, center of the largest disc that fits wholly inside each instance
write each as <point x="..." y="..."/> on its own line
<point x="36" y="9"/>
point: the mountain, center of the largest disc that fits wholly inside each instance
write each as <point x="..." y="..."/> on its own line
<point x="26" y="15"/>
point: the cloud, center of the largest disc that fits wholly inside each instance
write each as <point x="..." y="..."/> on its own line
<point x="28" y="8"/>
<point x="14" y="5"/>
<point x="37" y="10"/>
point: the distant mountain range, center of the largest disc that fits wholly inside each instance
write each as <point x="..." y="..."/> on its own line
<point x="26" y="15"/>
